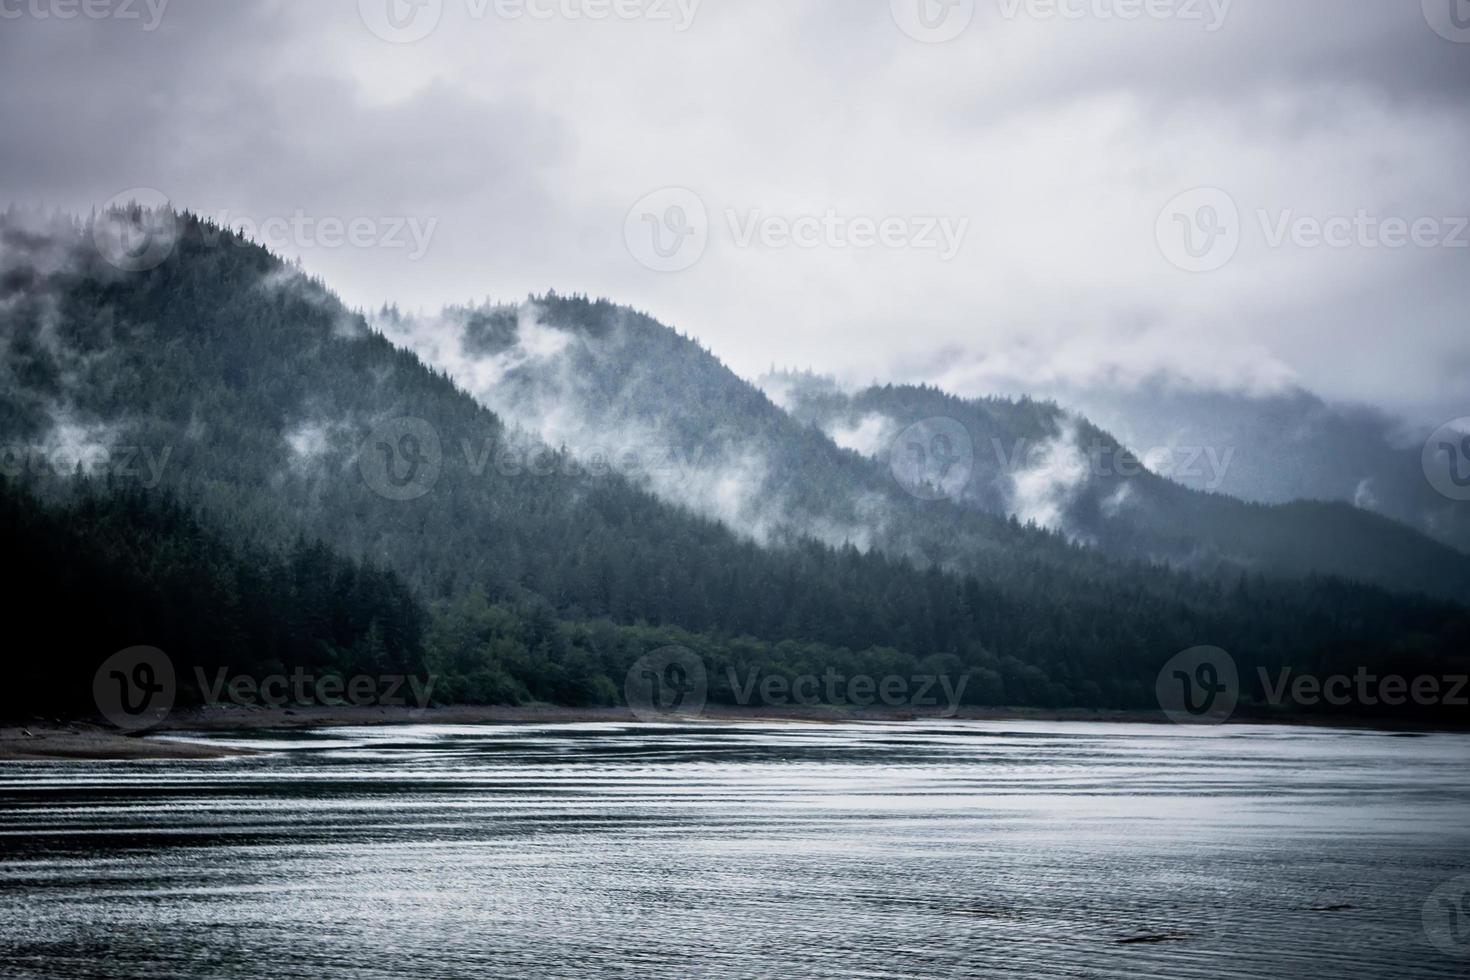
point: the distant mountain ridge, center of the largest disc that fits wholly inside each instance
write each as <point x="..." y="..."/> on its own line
<point x="1037" y="462"/>
<point x="1286" y="446"/>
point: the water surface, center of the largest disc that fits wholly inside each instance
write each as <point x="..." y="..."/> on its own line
<point x="742" y="850"/>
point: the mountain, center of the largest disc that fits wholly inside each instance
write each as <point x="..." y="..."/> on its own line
<point x="620" y="393"/>
<point x="1035" y="461"/>
<point x="1286" y="446"/>
<point x="232" y="386"/>
<point x="615" y="387"/>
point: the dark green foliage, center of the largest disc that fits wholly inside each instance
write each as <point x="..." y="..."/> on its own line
<point x="113" y="569"/>
<point x="263" y="389"/>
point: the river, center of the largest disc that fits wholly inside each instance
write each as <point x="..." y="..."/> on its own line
<point x="954" y="849"/>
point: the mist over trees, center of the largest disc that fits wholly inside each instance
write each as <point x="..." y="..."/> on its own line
<point x="262" y="544"/>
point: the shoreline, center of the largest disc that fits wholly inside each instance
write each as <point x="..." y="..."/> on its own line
<point x="88" y="740"/>
<point x="58" y="741"/>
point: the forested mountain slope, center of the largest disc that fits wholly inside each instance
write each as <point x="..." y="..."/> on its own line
<point x="135" y="569"/>
<point x="621" y="390"/>
<point x="274" y="413"/>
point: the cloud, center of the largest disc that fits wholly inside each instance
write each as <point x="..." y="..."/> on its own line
<point x="1057" y="470"/>
<point x="309" y="442"/>
<point x="871" y="435"/>
<point x="73" y="443"/>
<point x="590" y="394"/>
<point x="292" y="282"/>
<point x="1060" y="141"/>
<point x="1363" y="496"/>
<point x="1117" y="501"/>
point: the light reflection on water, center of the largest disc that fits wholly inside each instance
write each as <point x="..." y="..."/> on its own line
<point x="741" y="850"/>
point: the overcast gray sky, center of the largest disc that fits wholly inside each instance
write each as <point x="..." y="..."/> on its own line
<point x="996" y="183"/>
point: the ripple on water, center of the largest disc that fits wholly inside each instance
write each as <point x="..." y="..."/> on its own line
<point x="741" y="850"/>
